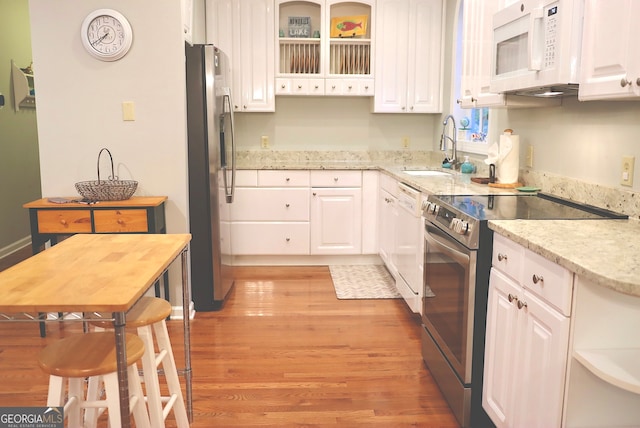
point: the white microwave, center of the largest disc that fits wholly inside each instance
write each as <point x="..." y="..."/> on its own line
<point x="536" y="47"/>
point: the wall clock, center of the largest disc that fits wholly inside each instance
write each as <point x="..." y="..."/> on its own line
<point x="106" y="34"/>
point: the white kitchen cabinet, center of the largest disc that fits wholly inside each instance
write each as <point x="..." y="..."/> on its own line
<point x="603" y="387"/>
<point x="242" y="29"/>
<point x="388" y="218"/>
<point x="475" y="79"/>
<point x="271" y="213"/>
<point x="336" y="212"/>
<point x="526" y="339"/>
<point x="187" y="20"/>
<point x="408" y="67"/>
<point x="311" y="62"/>
<point x="610" y="65"/>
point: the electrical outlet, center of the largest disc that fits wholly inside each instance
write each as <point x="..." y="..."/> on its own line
<point x="406" y="142"/>
<point x="530" y="156"/>
<point x="264" y="142"/>
<point x="627" y="170"/>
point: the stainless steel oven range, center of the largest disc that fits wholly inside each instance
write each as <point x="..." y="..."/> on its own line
<point x="458" y="247"/>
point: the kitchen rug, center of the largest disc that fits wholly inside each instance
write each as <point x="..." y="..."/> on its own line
<point x="363" y="282"/>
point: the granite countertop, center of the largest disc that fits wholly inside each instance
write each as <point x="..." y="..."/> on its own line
<point x="605" y="251"/>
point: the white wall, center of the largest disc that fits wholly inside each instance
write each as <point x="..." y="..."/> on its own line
<point x="80" y="100"/>
<point x="80" y="103"/>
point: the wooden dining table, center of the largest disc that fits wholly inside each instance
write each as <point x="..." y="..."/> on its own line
<point x="89" y="273"/>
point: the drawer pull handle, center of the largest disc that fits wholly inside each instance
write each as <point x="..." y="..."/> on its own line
<point x="537" y="278"/>
<point x="335" y="179"/>
<point x="521" y="304"/>
<point x="283" y="86"/>
<point x="287" y="179"/>
<point x="287" y="205"/>
<point x="63" y="222"/>
<point x="502" y="257"/>
<point x="287" y="239"/>
<point x="120" y="221"/>
<point x="511" y="298"/>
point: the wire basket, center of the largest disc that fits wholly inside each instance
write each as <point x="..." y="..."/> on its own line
<point x="111" y="189"/>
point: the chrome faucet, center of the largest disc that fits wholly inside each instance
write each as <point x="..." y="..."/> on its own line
<point x="453" y="160"/>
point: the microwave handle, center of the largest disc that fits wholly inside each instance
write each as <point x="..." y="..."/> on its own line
<point x="536" y="39"/>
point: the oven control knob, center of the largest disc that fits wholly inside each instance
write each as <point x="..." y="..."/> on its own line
<point x="460" y="226"/>
<point x="433" y="208"/>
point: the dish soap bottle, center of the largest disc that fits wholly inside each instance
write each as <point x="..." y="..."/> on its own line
<point x="466" y="167"/>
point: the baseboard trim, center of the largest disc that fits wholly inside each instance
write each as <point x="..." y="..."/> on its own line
<point x="15" y="246"/>
<point x="177" y="312"/>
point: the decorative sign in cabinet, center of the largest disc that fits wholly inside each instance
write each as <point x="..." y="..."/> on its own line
<point x="409" y="46"/>
<point x="311" y="59"/>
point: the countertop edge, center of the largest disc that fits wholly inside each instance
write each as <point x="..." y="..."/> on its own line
<point x="594" y="259"/>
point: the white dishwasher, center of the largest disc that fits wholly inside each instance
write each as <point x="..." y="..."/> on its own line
<point x="408" y="253"/>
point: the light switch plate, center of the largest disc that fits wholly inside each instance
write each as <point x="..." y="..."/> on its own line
<point x="128" y="111"/>
<point x="627" y="170"/>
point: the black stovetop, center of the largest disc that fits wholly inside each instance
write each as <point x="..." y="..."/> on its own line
<point x="540" y="206"/>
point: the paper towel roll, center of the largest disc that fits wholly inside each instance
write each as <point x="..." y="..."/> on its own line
<point x="508" y="167"/>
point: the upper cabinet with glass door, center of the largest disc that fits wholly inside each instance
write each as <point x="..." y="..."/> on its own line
<point x="476" y="36"/>
<point x="324" y="47"/>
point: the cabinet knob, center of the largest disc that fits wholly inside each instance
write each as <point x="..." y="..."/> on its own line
<point x="314" y="193"/>
<point x="283" y="86"/>
<point x="350" y="87"/>
<point x="521" y="304"/>
<point x="120" y="221"/>
<point x="502" y="257"/>
<point x="287" y="205"/>
<point x="335" y="179"/>
<point x="537" y="278"/>
<point x="287" y="179"/>
<point x="473" y="100"/>
<point x="63" y="221"/>
<point x="511" y="297"/>
<point x="299" y="86"/>
<point x="333" y="86"/>
<point x="244" y="107"/>
<point x="287" y="239"/>
<point x="403" y="108"/>
<point x="458" y="101"/>
<point x="624" y="82"/>
<point x="316" y="87"/>
<point x="638" y="81"/>
<point x="367" y="87"/>
<point x="411" y="108"/>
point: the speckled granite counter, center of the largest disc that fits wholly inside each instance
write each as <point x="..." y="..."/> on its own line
<point x="389" y="162"/>
<point x="604" y="251"/>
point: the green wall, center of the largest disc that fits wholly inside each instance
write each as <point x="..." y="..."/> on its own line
<point x="19" y="160"/>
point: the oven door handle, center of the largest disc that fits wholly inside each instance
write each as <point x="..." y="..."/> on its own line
<point x="431" y="235"/>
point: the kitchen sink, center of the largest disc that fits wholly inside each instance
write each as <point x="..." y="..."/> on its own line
<point x="425" y="172"/>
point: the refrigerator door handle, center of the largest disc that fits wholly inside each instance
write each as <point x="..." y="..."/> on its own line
<point x="227" y="108"/>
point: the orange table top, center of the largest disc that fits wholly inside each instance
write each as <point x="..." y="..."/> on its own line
<point x="89" y="272"/>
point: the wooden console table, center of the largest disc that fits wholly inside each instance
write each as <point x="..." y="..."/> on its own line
<point x="139" y="214"/>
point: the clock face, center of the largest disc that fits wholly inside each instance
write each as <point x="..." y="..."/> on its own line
<point x="106" y="34"/>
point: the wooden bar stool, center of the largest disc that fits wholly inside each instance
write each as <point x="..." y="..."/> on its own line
<point x="150" y="314"/>
<point x="92" y="355"/>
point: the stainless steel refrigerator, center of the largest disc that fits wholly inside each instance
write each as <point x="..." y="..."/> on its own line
<point x="211" y="154"/>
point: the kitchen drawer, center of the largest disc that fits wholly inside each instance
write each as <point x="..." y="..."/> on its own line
<point x="120" y="221"/>
<point x="551" y="282"/>
<point x="269" y="178"/>
<point x="270" y="238"/>
<point x="64" y="221"/>
<point x="244" y="178"/>
<point x="508" y="256"/>
<point x="269" y="204"/>
<point x="336" y="178"/>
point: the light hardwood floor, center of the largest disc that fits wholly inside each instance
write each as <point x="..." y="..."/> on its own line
<point x="284" y="352"/>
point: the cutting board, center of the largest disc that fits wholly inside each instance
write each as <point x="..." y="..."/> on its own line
<point x="505" y="185"/>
